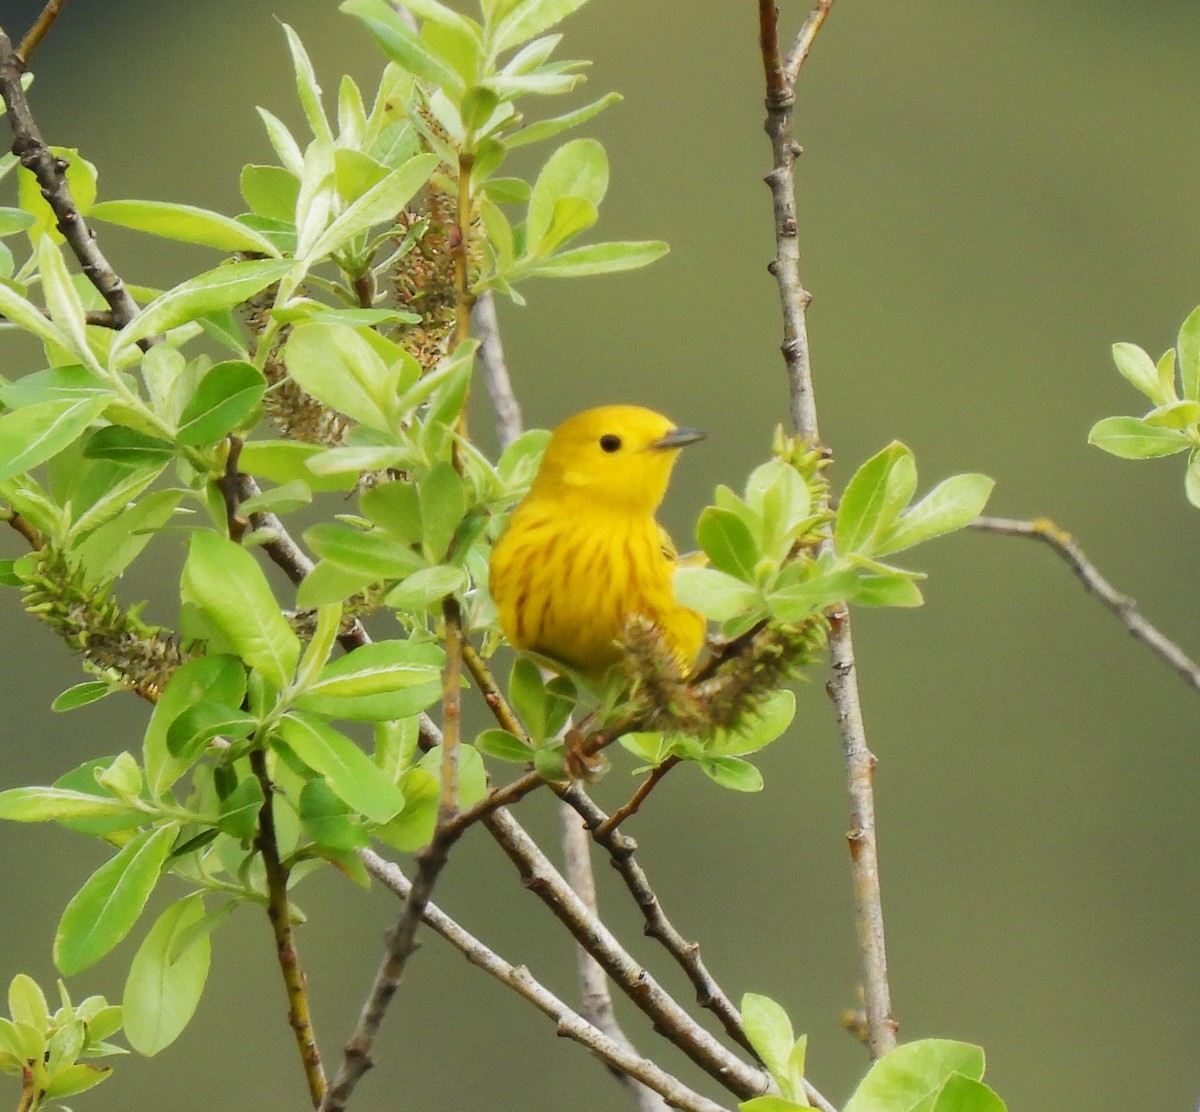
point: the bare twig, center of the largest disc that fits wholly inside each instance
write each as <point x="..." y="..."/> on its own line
<point x="631" y="807"/>
<point x="569" y="1024"/>
<point x="1065" y="546"/>
<point x="37" y="32"/>
<point x="495" y="370"/>
<point x="596" y="1000"/>
<point x="670" y="1020"/>
<point x="779" y="80"/>
<point x="22" y="524"/>
<point x="299" y="1015"/>
<point x="51" y="173"/>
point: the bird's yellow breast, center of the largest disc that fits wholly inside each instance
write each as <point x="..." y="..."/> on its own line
<point x="566" y="580"/>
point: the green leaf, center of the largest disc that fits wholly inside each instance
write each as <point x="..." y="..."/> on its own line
<point x="185" y="223"/>
<point x="377" y="682"/>
<point x="279" y="500"/>
<point x="1138" y="369"/>
<point x="328" y="819"/>
<point x="771" y="1104"/>
<point x="340" y="368"/>
<point x="52" y="385"/>
<point x="81" y="695"/>
<point x="876" y="494"/>
<point x="912" y="1073"/>
<point x="240" y="810"/>
<point x="395" y="507"/>
<point x="62" y="299"/>
<point x="374" y="554"/>
<point x="798" y="601"/>
<point x="527" y="694"/>
<point x="727" y="540"/>
<point x="527" y="19"/>
<point x="425" y="588"/>
<point x="1182" y="415"/>
<point x="283" y="461"/>
<point x="1131" y="438"/>
<point x="76" y="1078"/>
<point x="33" y="435"/>
<point x="162" y="989"/>
<point x="578" y="169"/>
<point x="27" y="1003"/>
<point x="443" y="500"/>
<point x="503" y="746"/>
<point x="203" y="721"/>
<point x="347" y="770"/>
<point x="128" y="447"/>
<point x="769" y="1030"/>
<point x="599" y="258"/>
<point x="952" y="504"/>
<point x="732" y="773"/>
<point x="45" y="804"/>
<point x="23" y="313"/>
<point x="414" y="826"/>
<point x="757" y="728"/>
<point x="888" y="590"/>
<point x="1189" y="356"/>
<point x="226" y="397"/>
<point x="307" y="87"/>
<point x="404" y="46"/>
<point x="965" y="1094"/>
<point x="713" y="593"/>
<point x="547" y="129"/>
<point x="377" y="205"/>
<point x="1191" y="479"/>
<point x="228" y="585"/>
<point x="1166" y="375"/>
<point x="219" y="679"/>
<point x="102" y="912"/>
<point x="221" y="288"/>
<point x="115" y="545"/>
<point x="270" y="191"/>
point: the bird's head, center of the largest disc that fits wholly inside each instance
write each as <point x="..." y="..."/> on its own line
<point x="619" y="455"/>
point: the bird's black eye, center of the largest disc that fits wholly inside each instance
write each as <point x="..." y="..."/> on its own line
<point x="610" y="443"/>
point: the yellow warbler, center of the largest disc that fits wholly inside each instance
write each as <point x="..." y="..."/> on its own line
<point x="583" y="553"/>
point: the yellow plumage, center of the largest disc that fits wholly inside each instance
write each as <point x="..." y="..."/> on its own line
<point x="583" y="553"/>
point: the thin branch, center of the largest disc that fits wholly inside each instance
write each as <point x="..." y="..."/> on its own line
<point x="596" y="1000"/>
<point x="843" y="683"/>
<point x="1125" y="608"/>
<point x="38" y="31"/>
<point x="804" y="41"/>
<point x="299" y="1015"/>
<point x="635" y="801"/>
<point x="22" y="524"/>
<point x="51" y="173"/>
<point x="569" y="1023"/>
<point x="495" y="370"/>
<point x="670" y="1020"/>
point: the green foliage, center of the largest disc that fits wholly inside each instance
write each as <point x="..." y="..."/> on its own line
<point x="1172" y="425"/>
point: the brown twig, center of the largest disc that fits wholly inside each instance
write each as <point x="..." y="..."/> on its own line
<point x="779" y="80"/>
<point x="51" y="173"/>
<point x="568" y="1023"/>
<point x="299" y="1015"/>
<point x="38" y="31"/>
<point x="22" y="524"/>
<point x="635" y="801"/>
<point x="1066" y="548"/>
<point x="670" y="1020"/>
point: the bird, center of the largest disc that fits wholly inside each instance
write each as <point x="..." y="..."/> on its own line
<point x="582" y="555"/>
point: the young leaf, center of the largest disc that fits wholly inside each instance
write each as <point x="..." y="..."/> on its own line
<point x="404" y="46"/>
<point x="348" y="771"/>
<point x="727" y="540"/>
<point x="578" y="168"/>
<point x="27" y="316"/>
<point x="1191" y="479"/>
<point x="526" y="19"/>
<point x="1132" y="438"/>
<point x="503" y="746"/>
<point x="377" y="682"/>
<point x="62" y="299"/>
<point x="965" y="1094"/>
<point x="913" y="1073"/>
<point x="216" y="289"/>
<point x="34" y="434"/>
<point x="328" y="819"/>
<point x="377" y="205"/>
<point x="341" y="369"/>
<point x="185" y="223"/>
<point x="75" y="1078"/>
<point x="424" y="588"/>
<point x="163" y="989"/>
<point x="732" y="773"/>
<point x="229" y="586"/>
<point x="375" y="554"/>
<point x="307" y="87"/>
<point x="81" y="179"/>
<point x="872" y="501"/>
<point x="102" y="912"/>
<point x="796" y="602"/>
<point x="240" y="810"/>
<point x="81" y="695"/>
<point x="888" y="590"/>
<point x="769" y="1030"/>
<point x="1189" y="356"/>
<point x="227" y="395"/>
<point x="713" y="593"/>
<point x="1138" y="369"/>
<point x="547" y="129"/>
<point x="443" y="500"/>
<point x="951" y="504"/>
<point x="46" y="804"/>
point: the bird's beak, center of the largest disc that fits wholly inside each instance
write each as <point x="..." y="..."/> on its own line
<point x="677" y="438"/>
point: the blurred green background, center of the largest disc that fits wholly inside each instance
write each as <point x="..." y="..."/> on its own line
<point x="992" y="193"/>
